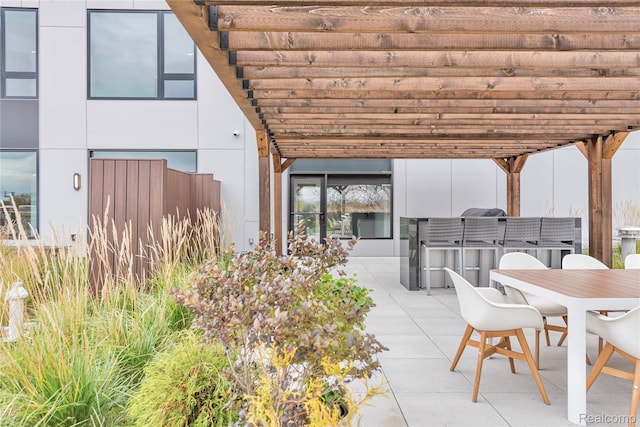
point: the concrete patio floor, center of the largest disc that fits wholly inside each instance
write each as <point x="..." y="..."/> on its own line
<point x="423" y="332"/>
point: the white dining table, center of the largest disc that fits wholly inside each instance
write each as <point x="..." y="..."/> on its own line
<point x="579" y="291"/>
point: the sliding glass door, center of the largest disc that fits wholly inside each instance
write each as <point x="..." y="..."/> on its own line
<point x="307" y="205"/>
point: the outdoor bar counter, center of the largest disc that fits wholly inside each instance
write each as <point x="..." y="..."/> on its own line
<point x="413" y="231"/>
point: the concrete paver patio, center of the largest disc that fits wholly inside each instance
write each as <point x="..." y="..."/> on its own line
<point x="423" y="332"/>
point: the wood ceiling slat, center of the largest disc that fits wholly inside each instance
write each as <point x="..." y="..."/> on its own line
<point x="445" y="19"/>
<point x="492" y="3"/>
<point x="448" y="103"/>
<point x="240" y="40"/>
<point x="457" y="59"/>
<point x="510" y="84"/>
<point x="479" y="109"/>
<point x="458" y="117"/>
<point x="452" y="132"/>
<point x="589" y="95"/>
<point x="266" y="72"/>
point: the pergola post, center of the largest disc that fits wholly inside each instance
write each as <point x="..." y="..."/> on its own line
<point x="264" y="184"/>
<point x="278" y="168"/>
<point x="599" y="154"/>
<point x="512" y="167"/>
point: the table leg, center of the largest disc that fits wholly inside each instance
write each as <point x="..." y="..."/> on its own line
<point x="576" y="367"/>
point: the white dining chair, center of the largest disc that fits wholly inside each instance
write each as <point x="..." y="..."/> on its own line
<point x="576" y="261"/>
<point x="632" y="261"/>
<point x="622" y="335"/>
<point x="487" y="313"/>
<point x="524" y="261"/>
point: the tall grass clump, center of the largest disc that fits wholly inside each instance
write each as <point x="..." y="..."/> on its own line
<point x="184" y="386"/>
<point x="86" y="352"/>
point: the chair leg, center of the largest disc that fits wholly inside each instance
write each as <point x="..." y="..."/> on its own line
<point x="564" y="334"/>
<point x="602" y="360"/>
<point x="461" y="347"/>
<point x="546" y="330"/>
<point x="537" y="349"/>
<point x="532" y="365"/>
<point x="635" y="396"/>
<point x="481" y="347"/>
<point x="507" y="345"/>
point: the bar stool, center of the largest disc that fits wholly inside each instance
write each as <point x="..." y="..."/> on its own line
<point x="445" y="235"/>
<point x="521" y="234"/>
<point x="556" y="234"/>
<point x="480" y="234"/>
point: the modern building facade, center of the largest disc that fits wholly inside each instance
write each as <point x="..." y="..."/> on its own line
<point x="121" y="78"/>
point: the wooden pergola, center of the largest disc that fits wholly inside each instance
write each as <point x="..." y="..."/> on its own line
<point x="490" y="79"/>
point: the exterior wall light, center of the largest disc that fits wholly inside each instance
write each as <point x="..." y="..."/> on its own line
<point x="76" y="181"/>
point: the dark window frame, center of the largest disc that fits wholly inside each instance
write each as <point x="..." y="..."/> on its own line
<point x="326" y="177"/>
<point x="26" y="75"/>
<point x="162" y="77"/>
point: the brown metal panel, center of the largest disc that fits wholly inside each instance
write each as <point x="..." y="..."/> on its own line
<point x="96" y="185"/>
<point x="144" y="187"/>
<point x="120" y="194"/>
<point x="109" y="188"/>
<point x="156" y="195"/>
<point x="133" y="194"/>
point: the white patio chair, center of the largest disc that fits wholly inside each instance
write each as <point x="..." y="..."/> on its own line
<point x="524" y="261"/>
<point x="632" y="261"/>
<point x="577" y="261"/>
<point x="622" y="335"/>
<point x="485" y="312"/>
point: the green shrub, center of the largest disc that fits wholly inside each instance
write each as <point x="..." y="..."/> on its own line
<point x="184" y="386"/>
<point x="264" y="307"/>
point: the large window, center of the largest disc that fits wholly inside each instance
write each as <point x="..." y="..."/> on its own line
<point x="19" y="52"/>
<point x="140" y="55"/>
<point x="184" y="161"/>
<point x="18" y="190"/>
<point x="342" y="198"/>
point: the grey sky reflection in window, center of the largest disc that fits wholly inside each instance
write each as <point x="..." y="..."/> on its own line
<point x="17" y="175"/>
<point x="20" y="41"/>
<point x="178" y="47"/>
<point x="124" y="55"/>
<point x="184" y="161"/>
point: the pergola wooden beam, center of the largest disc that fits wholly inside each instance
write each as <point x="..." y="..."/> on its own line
<point x="512" y="167"/>
<point x="443" y="19"/>
<point x="599" y="153"/>
<point x="252" y="41"/>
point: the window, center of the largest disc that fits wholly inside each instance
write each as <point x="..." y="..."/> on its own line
<point x="19" y="58"/>
<point x="140" y="55"/>
<point x="19" y="190"/>
<point x="184" y="161"/>
<point x="342" y="198"/>
<point x="361" y="204"/>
